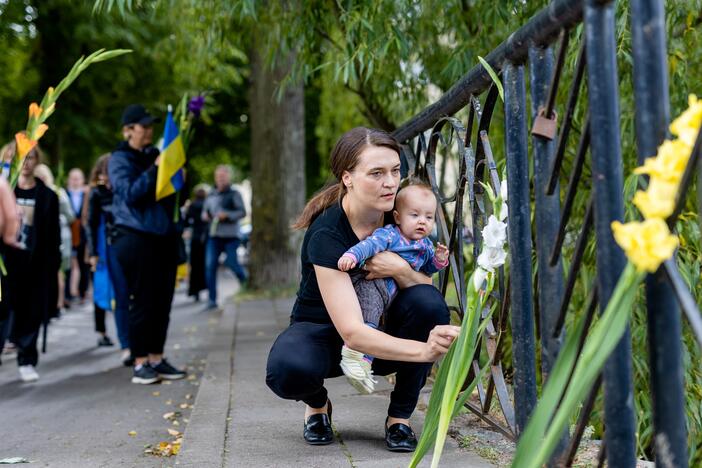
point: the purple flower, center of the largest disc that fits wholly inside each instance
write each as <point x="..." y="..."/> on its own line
<point x="196" y="104"/>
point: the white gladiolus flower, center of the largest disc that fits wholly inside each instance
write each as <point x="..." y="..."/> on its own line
<point x="503" y="190"/>
<point x="491" y="258"/>
<point x="495" y="233"/>
<point x="479" y="278"/>
<point x="503" y="211"/>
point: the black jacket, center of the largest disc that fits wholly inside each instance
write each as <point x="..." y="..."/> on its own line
<point x="99" y="205"/>
<point x="39" y="267"/>
<point x="133" y="177"/>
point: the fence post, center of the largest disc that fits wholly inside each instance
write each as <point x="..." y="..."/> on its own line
<point x="547" y="211"/>
<point x="519" y="231"/>
<point x="664" y="321"/>
<point x="603" y="96"/>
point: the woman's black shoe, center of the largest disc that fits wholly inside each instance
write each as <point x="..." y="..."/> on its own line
<point x="400" y="438"/>
<point x="318" y="428"/>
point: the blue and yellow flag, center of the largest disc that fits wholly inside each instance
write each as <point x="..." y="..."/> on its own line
<point x="169" y="178"/>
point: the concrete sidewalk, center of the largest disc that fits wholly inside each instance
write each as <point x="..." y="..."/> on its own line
<point x="237" y="421"/>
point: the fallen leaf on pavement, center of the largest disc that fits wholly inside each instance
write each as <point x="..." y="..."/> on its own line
<point x="173" y="432"/>
<point x="183" y="406"/>
<point x="188" y="396"/>
<point x="132" y="433"/>
<point x="169" y="402"/>
<point x="13" y="461"/>
<point x="156" y="393"/>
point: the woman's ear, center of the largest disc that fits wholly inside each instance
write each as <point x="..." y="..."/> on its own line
<point x="346" y="180"/>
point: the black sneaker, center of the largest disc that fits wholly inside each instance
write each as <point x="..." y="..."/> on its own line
<point x="145" y="375"/>
<point x="105" y="341"/>
<point x="167" y="371"/>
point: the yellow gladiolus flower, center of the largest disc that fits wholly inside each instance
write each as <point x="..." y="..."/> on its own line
<point x="34" y="110"/>
<point x="39" y="132"/>
<point x="670" y="163"/>
<point x="24" y="144"/>
<point x="646" y="244"/>
<point x="687" y="125"/>
<point x="658" y="201"/>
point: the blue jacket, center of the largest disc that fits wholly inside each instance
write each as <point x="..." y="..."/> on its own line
<point x="133" y="178"/>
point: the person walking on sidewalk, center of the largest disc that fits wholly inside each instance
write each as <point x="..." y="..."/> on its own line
<point x="66" y="217"/>
<point x="198" y="241"/>
<point x="327" y="314"/>
<point x="223" y="209"/>
<point x="104" y="262"/>
<point x="32" y="261"/>
<point x="99" y="225"/>
<point x="78" y="277"/>
<point x="146" y="245"/>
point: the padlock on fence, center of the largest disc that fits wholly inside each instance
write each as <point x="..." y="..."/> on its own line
<point x="545" y="127"/>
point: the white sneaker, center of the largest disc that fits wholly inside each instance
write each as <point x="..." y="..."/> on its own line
<point x="28" y="374"/>
<point x="357" y="369"/>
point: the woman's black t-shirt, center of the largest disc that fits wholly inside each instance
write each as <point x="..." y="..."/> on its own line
<point x="326" y="240"/>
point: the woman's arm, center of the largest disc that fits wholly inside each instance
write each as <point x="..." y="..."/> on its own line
<point x="389" y="264"/>
<point x="343" y="307"/>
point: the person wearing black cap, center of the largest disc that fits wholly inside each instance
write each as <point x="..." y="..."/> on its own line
<point x="145" y="242"/>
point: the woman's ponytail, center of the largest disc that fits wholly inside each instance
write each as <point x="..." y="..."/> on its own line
<point x="321" y="200"/>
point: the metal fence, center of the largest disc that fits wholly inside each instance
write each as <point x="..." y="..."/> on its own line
<point x="435" y="130"/>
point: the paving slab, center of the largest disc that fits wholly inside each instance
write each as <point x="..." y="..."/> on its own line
<point x="266" y="431"/>
<point x="83" y="408"/>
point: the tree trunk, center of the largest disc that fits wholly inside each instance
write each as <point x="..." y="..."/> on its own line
<point x="277" y="174"/>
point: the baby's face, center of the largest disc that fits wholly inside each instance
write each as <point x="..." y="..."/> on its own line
<point x="415" y="212"/>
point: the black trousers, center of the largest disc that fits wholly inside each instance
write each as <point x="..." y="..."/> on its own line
<point x="25" y="300"/>
<point x="83" y="269"/>
<point x="306" y="353"/>
<point x="99" y="314"/>
<point x="149" y="265"/>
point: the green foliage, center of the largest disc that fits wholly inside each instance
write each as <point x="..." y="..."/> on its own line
<point x="40" y="47"/>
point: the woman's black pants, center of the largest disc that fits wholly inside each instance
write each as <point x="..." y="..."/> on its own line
<point x="149" y="265"/>
<point x="306" y="353"/>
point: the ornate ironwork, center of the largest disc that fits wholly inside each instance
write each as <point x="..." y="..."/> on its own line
<point x="468" y="149"/>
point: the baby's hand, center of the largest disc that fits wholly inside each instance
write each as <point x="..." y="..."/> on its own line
<point x="346" y="262"/>
<point x="441" y="253"/>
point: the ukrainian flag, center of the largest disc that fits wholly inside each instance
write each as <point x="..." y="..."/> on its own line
<point x="169" y="178"/>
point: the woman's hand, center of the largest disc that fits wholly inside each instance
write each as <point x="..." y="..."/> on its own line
<point x="440" y="338"/>
<point x="384" y="265"/>
<point x="389" y="264"/>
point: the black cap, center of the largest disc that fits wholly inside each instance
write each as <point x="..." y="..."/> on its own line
<point x="137" y="114"/>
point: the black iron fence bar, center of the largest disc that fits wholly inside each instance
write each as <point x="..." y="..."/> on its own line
<point x="541" y="29"/>
<point x="592" y="302"/>
<point x="570" y="192"/>
<point x="582" y="423"/>
<point x="492" y="166"/>
<point x="664" y="320"/>
<point x="575" y="264"/>
<point x="547" y="208"/>
<point x="686" y="181"/>
<point x="685" y="299"/>
<point x="607" y="170"/>
<point x="519" y="234"/>
<point x="567" y="120"/>
<point x="556" y="77"/>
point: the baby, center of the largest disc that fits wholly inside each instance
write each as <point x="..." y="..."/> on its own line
<point x="415" y="208"/>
